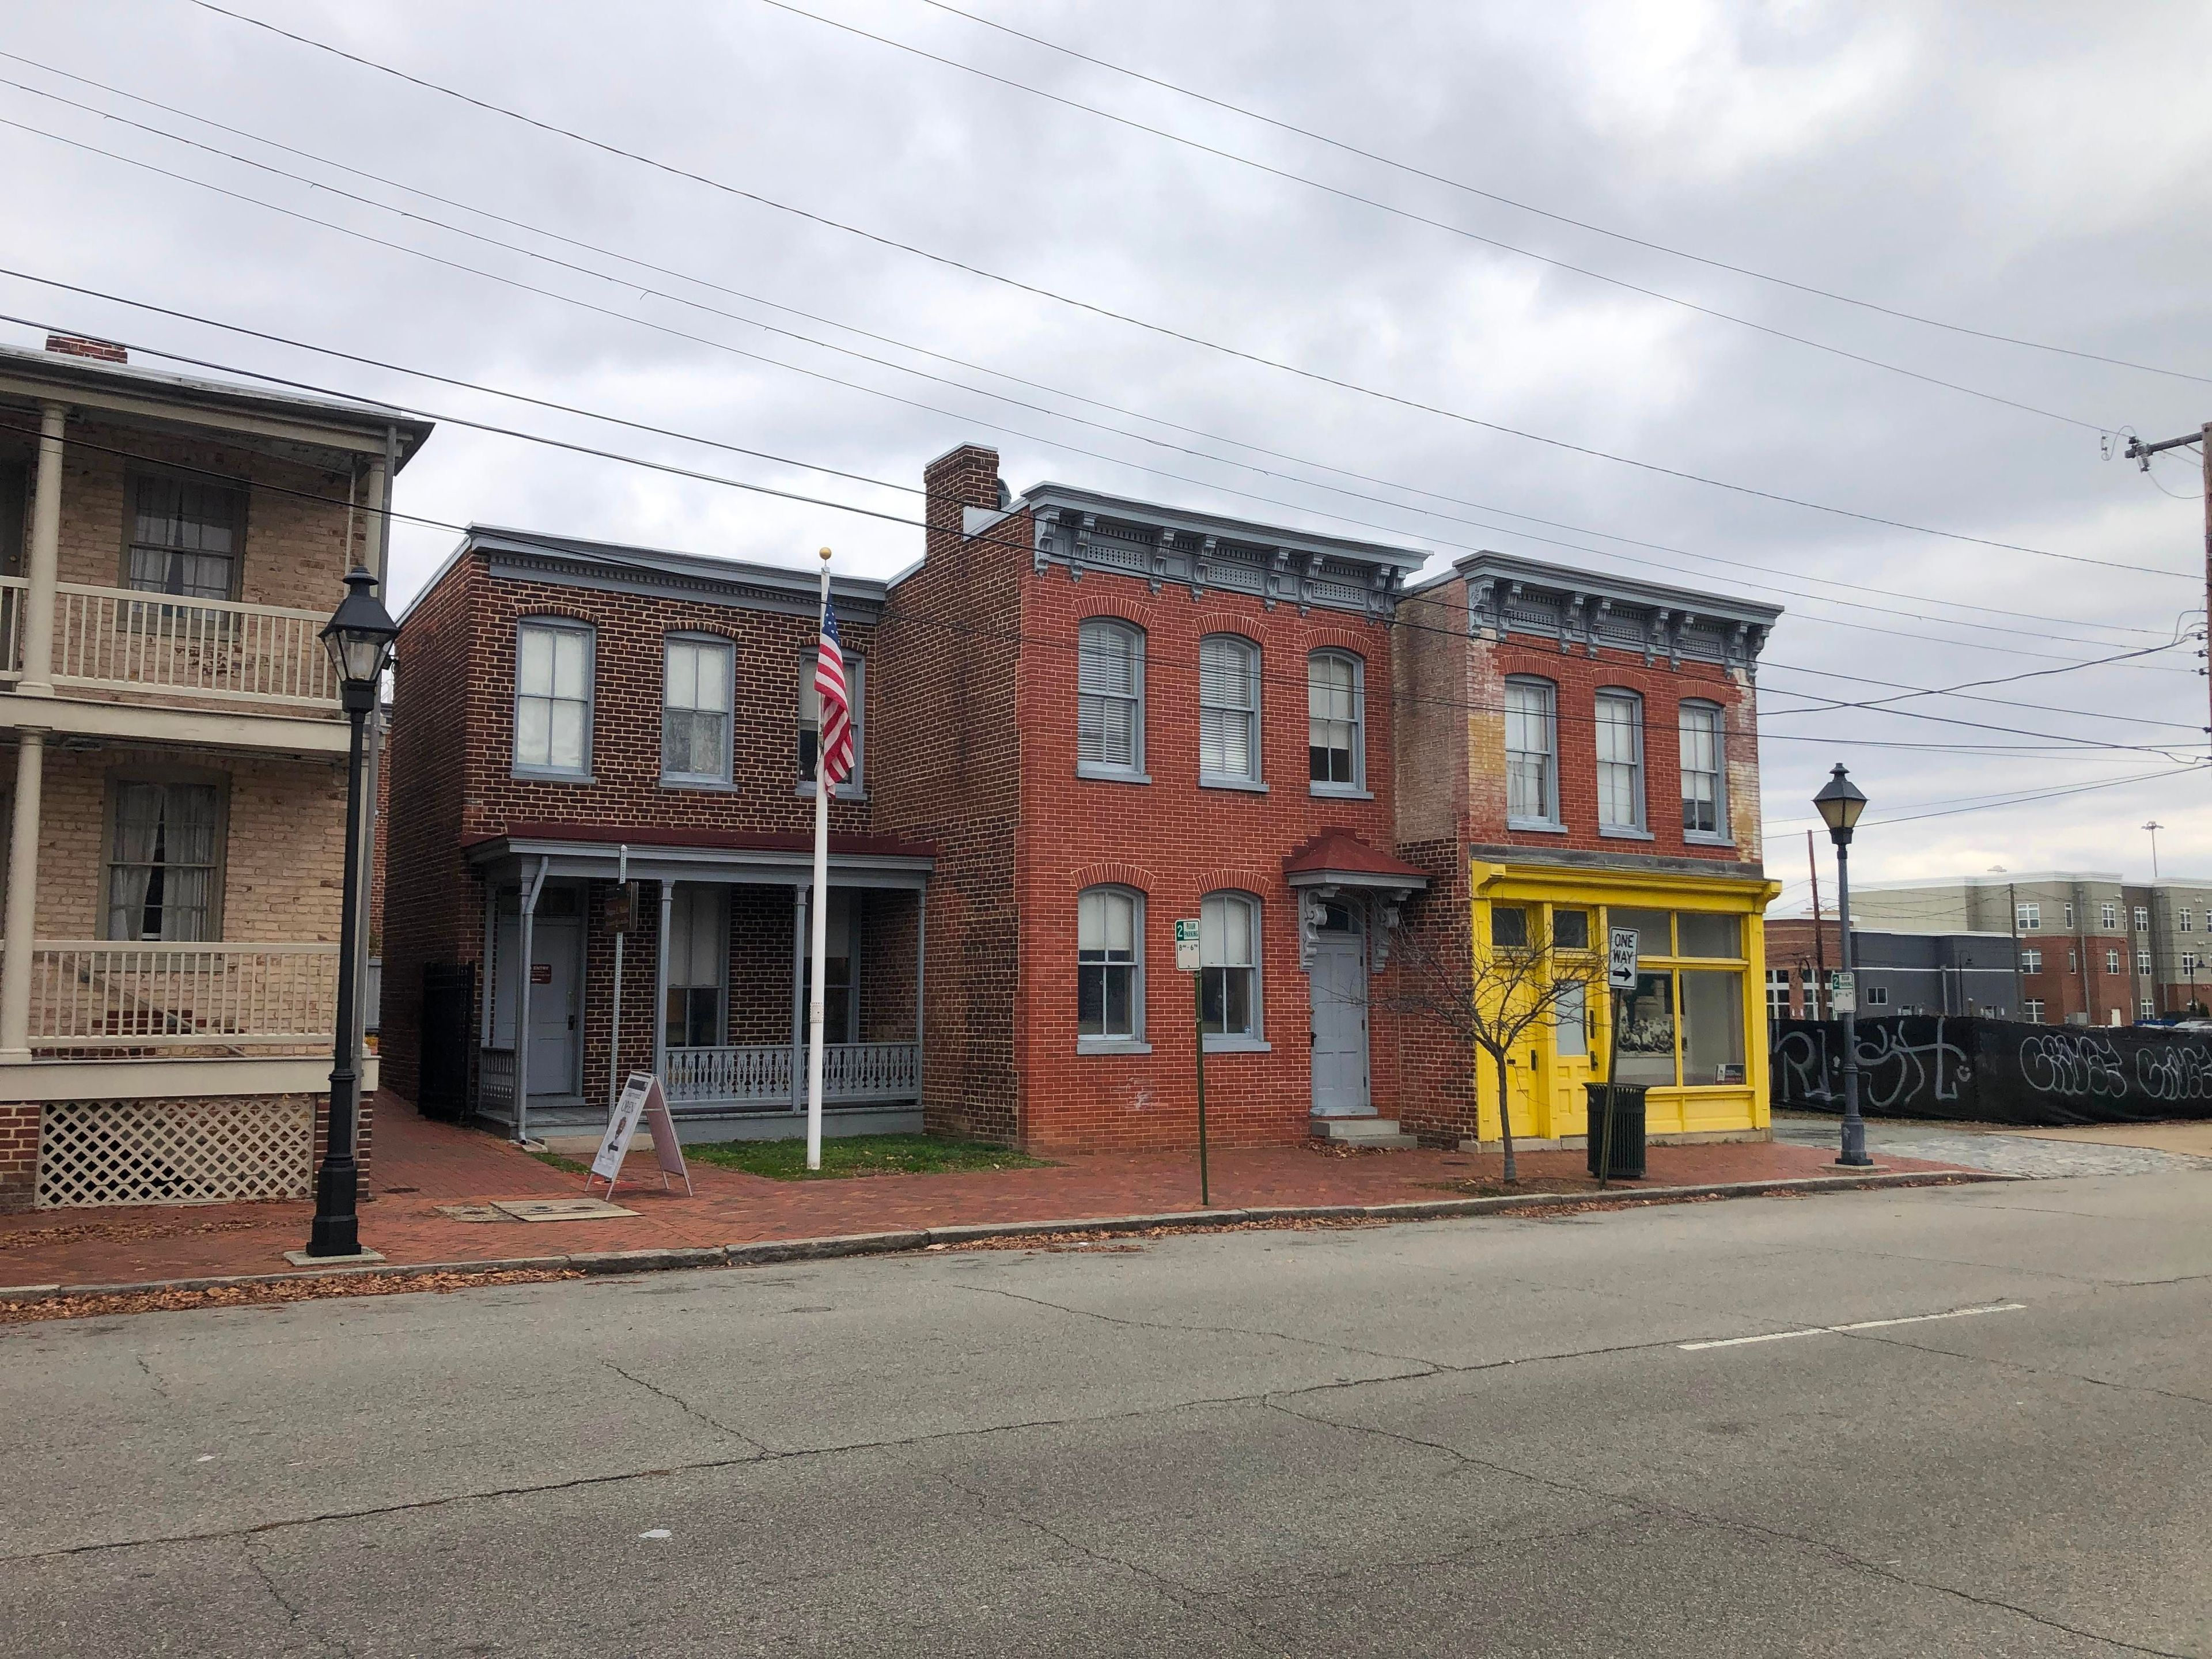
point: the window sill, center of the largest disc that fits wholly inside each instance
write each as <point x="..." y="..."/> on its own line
<point x="1535" y="827"/>
<point x="1238" y="1045"/>
<point x="538" y="775"/>
<point x="1112" y="1046"/>
<point x="1689" y="840"/>
<point x="1098" y="773"/>
<point x="700" y="786"/>
<point x="1340" y="790"/>
<point x="806" y="792"/>
<point x="1620" y="832"/>
<point x="1249" y="786"/>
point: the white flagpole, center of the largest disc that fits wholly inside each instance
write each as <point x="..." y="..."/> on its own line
<point x="818" y="990"/>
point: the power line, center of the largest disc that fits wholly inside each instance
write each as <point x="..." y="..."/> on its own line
<point x="903" y="345"/>
<point x="813" y="374"/>
<point x="1013" y="636"/>
<point x="1560" y="218"/>
<point x="1166" y="330"/>
<point x="1423" y="219"/>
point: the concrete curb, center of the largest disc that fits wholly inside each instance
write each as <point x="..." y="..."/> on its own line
<point x="766" y="1251"/>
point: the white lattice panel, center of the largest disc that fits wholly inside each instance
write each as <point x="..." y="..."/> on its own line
<point x="174" y="1151"/>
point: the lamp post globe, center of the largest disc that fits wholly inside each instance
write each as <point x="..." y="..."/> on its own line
<point x="1839" y="804"/>
<point x="359" y="637"/>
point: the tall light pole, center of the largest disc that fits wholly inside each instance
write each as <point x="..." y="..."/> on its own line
<point x="1840" y="803"/>
<point x="2153" y="826"/>
<point x="358" y="636"/>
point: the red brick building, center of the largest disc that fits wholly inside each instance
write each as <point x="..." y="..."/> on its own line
<point x="1084" y="719"/>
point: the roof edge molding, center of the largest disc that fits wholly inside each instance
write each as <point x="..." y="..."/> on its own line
<point x="660" y="573"/>
<point x="1080" y="529"/>
<point x="1582" y="610"/>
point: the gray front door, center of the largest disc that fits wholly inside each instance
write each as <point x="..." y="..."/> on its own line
<point x="556" y="946"/>
<point x="1339" y="1016"/>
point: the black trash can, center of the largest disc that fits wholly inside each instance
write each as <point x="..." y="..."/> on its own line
<point x="1627" y="1130"/>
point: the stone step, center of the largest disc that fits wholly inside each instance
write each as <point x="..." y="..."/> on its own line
<point x="1363" y="1131"/>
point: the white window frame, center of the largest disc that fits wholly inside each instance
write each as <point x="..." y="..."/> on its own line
<point x="2142" y="964"/>
<point x="2027" y="917"/>
<point x="2142" y="919"/>
<point x="2111" y="963"/>
<point x="2189" y="962"/>
<point x="1357" y="788"/>
<point x="719" y="778"/>
<point x="1133" y="1042"/>
<point x="1877" y="996"/>
<point x="2069" y="915"/>
<point x="1719" y="835"/>
<point x="2031" y="962"/>
<point x="690" y="898"/>
<point x="2146" y="1009"/>
<point x="1253" y="1040"/>
<point x="2109" y="914"/>
<point x="1619" y="697"/>
<point x="1778" y="993"/>
<point x="2186" y="920"/>
<point x="1112" y="771"/>
<point x="856" y="687"/>
<point x="582" y="772"/>
<point x="2035" y="1009"/>
<point x="1548" y="693"/>
<point x="1254" y="775"/>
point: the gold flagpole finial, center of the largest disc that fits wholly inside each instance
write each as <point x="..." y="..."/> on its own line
<point x="825" y="555"/>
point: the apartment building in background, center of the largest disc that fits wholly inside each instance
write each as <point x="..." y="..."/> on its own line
<point x="1898" y="972"/>
<point x="2093" y="948"/>
<point x="170" y="549"/>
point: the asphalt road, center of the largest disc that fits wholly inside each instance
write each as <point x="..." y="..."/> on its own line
<point x="1465" y="1437"/>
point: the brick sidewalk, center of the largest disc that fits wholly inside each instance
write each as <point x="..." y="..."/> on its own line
<point x="421" y="1165"/>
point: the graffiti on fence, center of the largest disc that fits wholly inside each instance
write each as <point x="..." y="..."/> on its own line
<point x="2174" y="1073"/>
<point x="2072" y="1063"/>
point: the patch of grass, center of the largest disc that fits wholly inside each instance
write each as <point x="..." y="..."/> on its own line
<point x="566" y="1165"/>
<point x="845" y="1156"/>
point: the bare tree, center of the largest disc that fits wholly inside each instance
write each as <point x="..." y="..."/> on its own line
<point x="1492" y="995"/>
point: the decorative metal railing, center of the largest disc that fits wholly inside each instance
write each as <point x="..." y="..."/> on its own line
<point x="761" y="1076"/>
<point x="496" y="1081"/>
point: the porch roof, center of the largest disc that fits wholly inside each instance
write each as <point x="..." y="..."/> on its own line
<point x="666" y="853"/>
<point x="1338" y="858"/>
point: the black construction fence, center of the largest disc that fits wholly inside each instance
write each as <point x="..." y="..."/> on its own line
<point x="1996" y="1071"/>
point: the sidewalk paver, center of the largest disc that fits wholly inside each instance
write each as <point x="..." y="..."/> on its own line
<point x="421" y="1169"/>
<point x="2003" y="1149"/>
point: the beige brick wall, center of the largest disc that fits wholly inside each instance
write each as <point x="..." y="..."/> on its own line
<point x="295" y="548"/>
<point x="284" y="858"/>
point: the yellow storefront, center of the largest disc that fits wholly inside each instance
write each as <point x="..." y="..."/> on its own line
<point x="1695" y="1029"/>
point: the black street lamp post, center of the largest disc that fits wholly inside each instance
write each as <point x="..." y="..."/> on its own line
<point x="358" y="636"/>
<point x="1840" y="803"/>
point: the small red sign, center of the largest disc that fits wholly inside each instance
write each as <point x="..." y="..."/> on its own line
<point x="541" y="973"/>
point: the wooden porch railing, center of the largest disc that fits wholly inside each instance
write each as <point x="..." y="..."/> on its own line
<point x="102" y="994"/>
<point x="118" y="639"/>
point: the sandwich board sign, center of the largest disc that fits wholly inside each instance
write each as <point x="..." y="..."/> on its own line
<point x="1620" y="959"/>
<point x="1187" y="945"/>
<point x="642" y="1099"/>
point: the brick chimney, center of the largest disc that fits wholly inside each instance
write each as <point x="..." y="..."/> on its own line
<point x="83" y="345"/>
<point x="961" y="477"/>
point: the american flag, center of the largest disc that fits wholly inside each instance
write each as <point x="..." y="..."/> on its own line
<point x="837" y="707"/>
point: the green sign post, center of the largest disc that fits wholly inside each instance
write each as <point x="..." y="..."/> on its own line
<point x="1188" y="961"/>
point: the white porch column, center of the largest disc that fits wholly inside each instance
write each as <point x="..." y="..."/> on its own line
<point x="524" y="927"/>
<point x="660" y="983"/>
<point x="42" y="569"/>
<point x="798" y="998"/>
<point x="22" y="899"/>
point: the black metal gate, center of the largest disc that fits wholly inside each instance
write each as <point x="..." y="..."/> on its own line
<point x="448" y="1030"/>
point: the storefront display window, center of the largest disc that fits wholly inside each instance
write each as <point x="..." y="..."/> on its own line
<point x="1712" y="1027"/>
<point x="1706" y="934"/>
<point x="1653" y="937"/>
<point x="1646" y="1043"/>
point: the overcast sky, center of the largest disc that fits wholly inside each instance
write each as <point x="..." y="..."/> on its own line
<point x="2037" y="172"/>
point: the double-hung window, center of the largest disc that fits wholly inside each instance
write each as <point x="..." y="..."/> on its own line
<point x="1532" y="777"/>
<point x="2108" y="916"/>
<point x="2142" y="963"/>
<point x="810" y="725"/>
<point x="2111" y="962"/>
<point x="552" y="699"/>
<point x="2027" y="917"/>
<point x="1704" y="794"/>
<point x="695" y="710"/>
<point x="2186" y="920"/>
<point x="1228" y="971"/>
<point x="162" y="859"/>
<point x="1109" y="703"/>
<point x="1620" y="761"/>
<point x="1228" y="711"/>
<point x="2142" y="920"/>
<point x="698" y="961"/>
<point x="184" y="536"/>
<point x="1336" y="747"/>
<point x="2031" y="962"/>
<point x="2035" y="1007"/>
<point x="1109" y="965"/>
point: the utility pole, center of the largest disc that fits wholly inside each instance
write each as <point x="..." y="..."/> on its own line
<point x="2140" y="453"/>
<point x="1819" y="951"/>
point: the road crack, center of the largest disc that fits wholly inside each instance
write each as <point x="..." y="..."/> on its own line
<point x="687" y="1408"/>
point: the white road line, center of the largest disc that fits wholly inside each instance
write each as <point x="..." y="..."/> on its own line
<point x="1862" y="1325"/>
